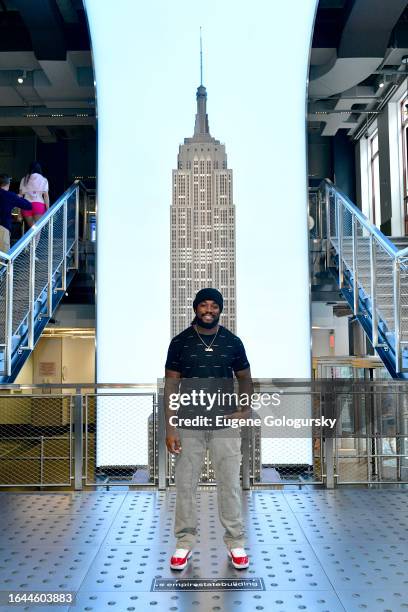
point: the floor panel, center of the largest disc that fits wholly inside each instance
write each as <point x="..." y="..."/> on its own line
<point x="317" y="550"/>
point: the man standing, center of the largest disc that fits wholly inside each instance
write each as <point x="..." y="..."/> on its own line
<point x="206" y="350"/>
<point x="8" y="201"/>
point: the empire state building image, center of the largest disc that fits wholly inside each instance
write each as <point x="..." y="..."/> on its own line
<point x="202" y="224"/>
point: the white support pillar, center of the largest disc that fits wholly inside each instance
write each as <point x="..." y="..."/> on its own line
<point x="363" y="176"/>
<point x="390" y="168"/>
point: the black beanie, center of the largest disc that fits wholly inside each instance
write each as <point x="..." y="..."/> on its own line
<point x="209" y="294"/>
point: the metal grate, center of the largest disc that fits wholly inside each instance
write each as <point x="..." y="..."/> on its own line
<point x="41" y="262"/>
<point x="36" y="440"/>
<point x="71" y="220"/>
<point x="58" y="233"/>
<point x="113" y="423"/>
<point x="21" y="295"/>
<point x="3" y="283"/>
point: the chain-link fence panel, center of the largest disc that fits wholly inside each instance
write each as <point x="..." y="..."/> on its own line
<point x="120" y="438"/>
<point x="363" y="258"/>
<point x="404" y="305"/>
<point x="57" y="241"/>
<point x="3" y="300"/>
<point x="35" y="440"/>
<point x="332" y="224"/>
<point x="41" y="262"/>
<point x="287" y="447"/>
<point x="384" y="286"/>
<point x="347" y="233"/>
<point x="370" y="445"/>
<point x="347" y="218"/>
<point x="71" y="220"/>
<point x="21" y="288"/>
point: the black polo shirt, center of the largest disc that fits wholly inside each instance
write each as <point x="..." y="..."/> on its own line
<point x="215" y="368"/>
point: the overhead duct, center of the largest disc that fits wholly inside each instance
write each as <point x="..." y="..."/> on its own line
<point x="362" y="47"/>
<point x="45" y="25"/>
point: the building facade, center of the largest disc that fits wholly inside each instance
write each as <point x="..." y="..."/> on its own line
<point x="202" y="224"/>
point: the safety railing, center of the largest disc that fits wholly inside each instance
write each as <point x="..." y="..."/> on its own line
<point x="114" y="435"/>
<point x="35" y="272"/>
<point x="372" y="272"/>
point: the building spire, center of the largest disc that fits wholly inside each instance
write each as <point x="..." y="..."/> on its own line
<point x="201" y="58"/>
<point x="201" y="127"/>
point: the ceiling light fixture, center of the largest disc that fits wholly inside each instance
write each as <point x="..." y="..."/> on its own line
<point x="21" y="78"/>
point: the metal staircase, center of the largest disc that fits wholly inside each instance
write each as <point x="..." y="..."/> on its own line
<point x="372" y="273"/>
<point x="34" y="276"/>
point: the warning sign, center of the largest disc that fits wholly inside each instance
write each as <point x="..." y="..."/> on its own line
<point x="47" y="368"/>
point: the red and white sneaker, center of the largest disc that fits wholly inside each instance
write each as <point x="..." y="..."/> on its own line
<point x="239" y="558"/>
<point x="180" y="558"/>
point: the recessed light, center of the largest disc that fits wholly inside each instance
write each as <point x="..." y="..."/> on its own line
<point x="22" y="76"/>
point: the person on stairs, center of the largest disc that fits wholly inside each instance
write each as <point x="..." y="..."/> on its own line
<point x="8" y="201"/>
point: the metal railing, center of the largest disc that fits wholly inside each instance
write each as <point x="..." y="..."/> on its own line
<point x="372" y="269"/>
<point x="34" y="273"/>
<point x="114" y="435"/>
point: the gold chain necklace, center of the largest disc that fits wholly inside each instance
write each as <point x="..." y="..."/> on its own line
<point x="207" y="346"/>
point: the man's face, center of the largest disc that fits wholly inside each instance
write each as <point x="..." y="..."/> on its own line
<point x="208" y="314"/>
<point x="6" y="187"/>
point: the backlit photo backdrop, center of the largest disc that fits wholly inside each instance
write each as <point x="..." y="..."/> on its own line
<point x="146" y="58"/>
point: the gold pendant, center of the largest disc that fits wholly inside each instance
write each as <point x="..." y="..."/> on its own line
<point x="208" y="348"/>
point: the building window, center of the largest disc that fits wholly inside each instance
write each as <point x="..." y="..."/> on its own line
<point x="404" y="140"/>
<point x="375" y="209"/>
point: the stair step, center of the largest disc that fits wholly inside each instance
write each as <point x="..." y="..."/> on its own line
<point x="390" y="313"/>
<point x="397" y="240"/>
<point x="366" y="256"/>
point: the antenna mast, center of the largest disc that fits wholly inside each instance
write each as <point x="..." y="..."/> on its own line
<point x="201" y="58"/>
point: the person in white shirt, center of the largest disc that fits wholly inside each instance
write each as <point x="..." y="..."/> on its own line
<point x="34" y="188"/>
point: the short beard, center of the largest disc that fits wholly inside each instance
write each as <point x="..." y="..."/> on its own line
<point x="206" y="325"/>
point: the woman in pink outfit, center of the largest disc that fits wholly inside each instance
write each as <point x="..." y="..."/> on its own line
<point x="34" y="188"/>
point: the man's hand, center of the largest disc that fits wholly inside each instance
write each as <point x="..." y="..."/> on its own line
<point x="173" y="443"/>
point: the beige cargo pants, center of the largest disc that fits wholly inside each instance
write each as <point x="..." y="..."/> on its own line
<point x="225" y="455"/>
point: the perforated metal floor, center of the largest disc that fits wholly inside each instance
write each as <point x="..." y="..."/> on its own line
<point x="321" y="551"/>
